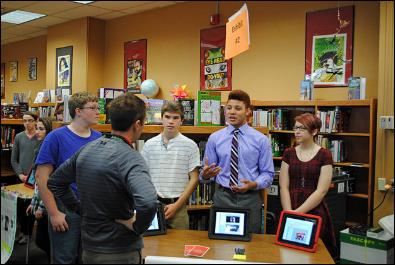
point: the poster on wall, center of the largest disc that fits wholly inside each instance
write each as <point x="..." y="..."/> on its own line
<point x="329" y="44"/>
<point x="215" y="71"/>
<point x="135" y="62"/>
<point x="2" y="80"/>
<point x="13" y="71"/>
<point x="32" y="69"/>
<point x="63" y="76"/>
<point x="8" y="224"/>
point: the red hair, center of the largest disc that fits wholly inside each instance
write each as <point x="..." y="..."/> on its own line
<point x="310" y="121"/>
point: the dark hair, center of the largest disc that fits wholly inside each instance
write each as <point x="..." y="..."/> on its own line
<point x="328" y="55"/>
<point x="47" y="122"/>
<point x="310" y="121"/>
<point x="78" y="100"/>
<point x="34" y="115"/>
<point x="65" y="63"/>
<point x="173" y="106"/>
<point x="125" y="110"/>
<point x="241" y="96"/>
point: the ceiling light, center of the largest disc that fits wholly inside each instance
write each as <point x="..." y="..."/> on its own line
<point x="84" y="2"/>
<point x="19" y="17"/>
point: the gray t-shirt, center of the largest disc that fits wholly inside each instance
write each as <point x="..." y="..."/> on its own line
<point x="22" y="156"/>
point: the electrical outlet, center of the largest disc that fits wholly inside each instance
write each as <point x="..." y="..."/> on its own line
<point x="383" y="122"/>
<point x="390" y="122"/>
<point x="381" y="184"/>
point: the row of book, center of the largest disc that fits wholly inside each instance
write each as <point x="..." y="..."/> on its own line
<point x="7" y="137"/>
<point x="203" y="194"/>
<point x="13" y="111"/>
<point x="274" y="119"/>
<point x="333" y="120"/>
<point x="44" y="112"/>
<point x="337" y="148"/>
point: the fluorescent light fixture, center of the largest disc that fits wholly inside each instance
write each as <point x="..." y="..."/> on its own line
<point x="84" y="2"/>
<point x="19" y="17"/>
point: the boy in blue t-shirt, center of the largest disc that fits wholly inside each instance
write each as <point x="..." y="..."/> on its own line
<point x="57" y="147"/>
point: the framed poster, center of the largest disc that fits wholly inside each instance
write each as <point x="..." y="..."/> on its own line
<point x="215" y="71"/>
<point x="63" y="76"/>
<point x="135" y="65"/>
<point x="32" y="69"/>
<point x="329" y="46"/>
<point x="13" y="71"/>
<point x="2" y="80"/>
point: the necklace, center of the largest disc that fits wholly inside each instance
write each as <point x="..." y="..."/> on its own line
<point x="306" y="155"/>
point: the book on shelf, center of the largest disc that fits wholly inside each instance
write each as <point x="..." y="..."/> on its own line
<point x="106" y="95"/>
<point x="209" y="108"/>
<point x="10" y="111"/>
<point x="189" y="111"/>
<point x="356" y="87"/>
<point x="306" y="90"/>
<point x="154" y="110"/>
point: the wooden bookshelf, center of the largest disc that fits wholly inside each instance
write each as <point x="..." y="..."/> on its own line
<point x="46" y="104"/>
<point x="199" y="207"/>
<point x="156" y="129"/>
<point x="11" y="122"/>
<point x="359" y="137"/>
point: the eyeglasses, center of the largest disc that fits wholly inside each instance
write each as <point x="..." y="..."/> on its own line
<point x="300" y="128"/>
<point x="28" y="121"/>
<point x="91" y="108"/>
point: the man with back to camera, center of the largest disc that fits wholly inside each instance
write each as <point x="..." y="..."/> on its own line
<point x="113" y="181"/>
<point x="173" y="161"/>
<point x="58" y="146"/>
<point x="241" y="159"/>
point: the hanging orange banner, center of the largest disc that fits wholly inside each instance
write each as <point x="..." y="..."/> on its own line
<point x="237" y="33"/>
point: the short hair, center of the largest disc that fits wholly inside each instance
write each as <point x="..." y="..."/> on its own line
<point x="125" y="110"/>
<point x="47" y="122"/>
<point x="78" y="100"/>
<point x="310" y="121"/>
<point x="173" y="106"/>
<point x="241" y="96"/>
<point x="34" y="115"/>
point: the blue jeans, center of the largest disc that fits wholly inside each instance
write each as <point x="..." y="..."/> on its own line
<point x="65" y="246"/>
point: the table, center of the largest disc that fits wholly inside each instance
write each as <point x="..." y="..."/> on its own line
<point x="260" y="249"/>
<point x="22" y="191"/>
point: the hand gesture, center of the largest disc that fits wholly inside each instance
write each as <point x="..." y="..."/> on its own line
<point x="29" y="209"/>
<point x="128" y="223"/>
<point x="210" y="171"/>
<point x="39" y="214"/>
<point x="22" y="177"/>
<point x="247" y="185"/>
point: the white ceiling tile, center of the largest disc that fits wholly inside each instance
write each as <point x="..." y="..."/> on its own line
<point x="84" y="11"/>
<point x="118" y="5"/>
<point x="50" y="7"/>
<point x="111" y="15"/>
<point x="47" y="21"/>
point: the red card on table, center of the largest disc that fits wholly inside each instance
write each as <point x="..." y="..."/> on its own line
<point x="187" y="249"/>
<point x="198" y="251"/>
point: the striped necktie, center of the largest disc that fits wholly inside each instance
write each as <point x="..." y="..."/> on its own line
<point x="234" y="159"/>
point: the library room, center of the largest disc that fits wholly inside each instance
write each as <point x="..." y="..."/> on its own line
<point x="197" y="132"/>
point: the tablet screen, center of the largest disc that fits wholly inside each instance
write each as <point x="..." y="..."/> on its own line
<point x="154" y="224"/>
<point x="158" y="224"/>
<point x="298" y="230"/>
<point x="31" y="179"/>
<point x="229" y="223"/>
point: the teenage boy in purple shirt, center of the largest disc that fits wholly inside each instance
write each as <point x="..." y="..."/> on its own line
<point x="254" y="167"/>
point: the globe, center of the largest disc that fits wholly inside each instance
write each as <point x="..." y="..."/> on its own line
<point x="149" y="88"/>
